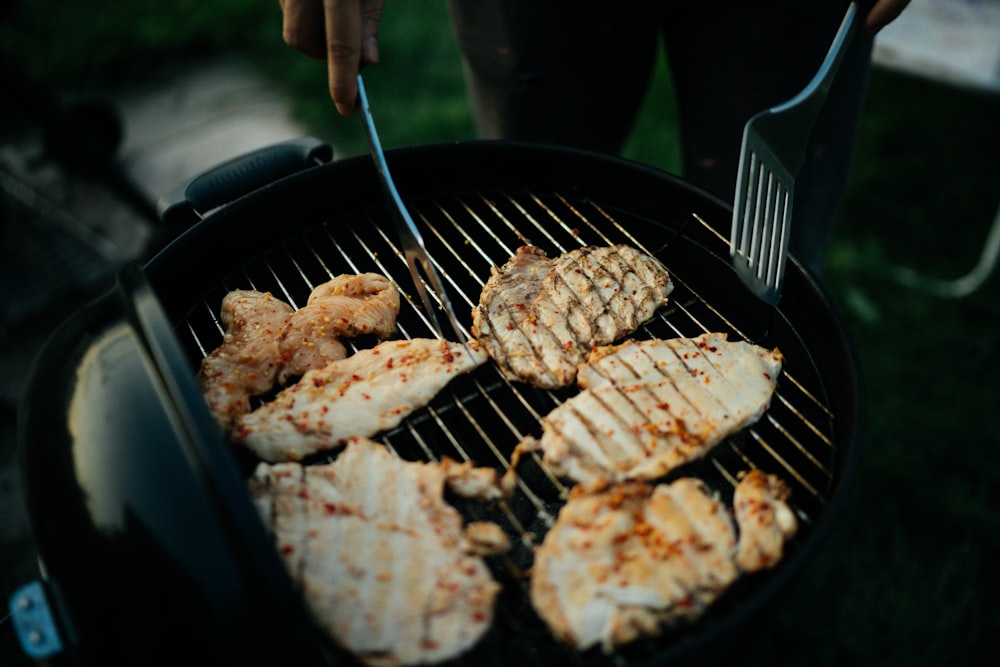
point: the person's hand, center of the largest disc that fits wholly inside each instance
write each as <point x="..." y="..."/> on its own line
<point x="883" y="12"/>
<point x="342" y="32"/>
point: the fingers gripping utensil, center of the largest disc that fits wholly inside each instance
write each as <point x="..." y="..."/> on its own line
<point x="771" y="155"/>
<point x="413" y="243"/>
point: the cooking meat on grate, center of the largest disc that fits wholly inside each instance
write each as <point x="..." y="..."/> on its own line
<point x="345" y="307"/>
<point x="764" y="518"/>
<point x="267" y="342"/>
<point x="648" y="407"/>
<point x="384" y="563"/>
<point x="628" y="560"/>
<point x="539" y="317"/>
<point x="368" y="392"/>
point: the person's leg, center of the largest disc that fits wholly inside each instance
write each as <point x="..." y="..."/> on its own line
<point x="732" y="59"/>
<point x="560" y="71"/>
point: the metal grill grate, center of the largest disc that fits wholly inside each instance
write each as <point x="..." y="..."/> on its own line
<point x="482" y="416"/>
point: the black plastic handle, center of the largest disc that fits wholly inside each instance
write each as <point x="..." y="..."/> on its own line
<point x="239" y="176"/>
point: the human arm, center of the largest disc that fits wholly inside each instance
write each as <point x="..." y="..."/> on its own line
<point x="882" y="12"/>
<point x="343" y="32"/>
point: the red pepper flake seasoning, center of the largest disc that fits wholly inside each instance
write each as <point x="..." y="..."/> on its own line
<point x="287" y="549"/>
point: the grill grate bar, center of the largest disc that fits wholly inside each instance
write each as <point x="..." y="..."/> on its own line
<point x="523" y="533"/>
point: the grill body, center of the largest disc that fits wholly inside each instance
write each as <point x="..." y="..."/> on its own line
<point x="158" y="498"/>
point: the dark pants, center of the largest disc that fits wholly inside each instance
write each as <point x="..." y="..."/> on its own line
<point x="575" y="72"/>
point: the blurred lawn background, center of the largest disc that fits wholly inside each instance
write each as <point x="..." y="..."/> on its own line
<point x="909" y="576"/>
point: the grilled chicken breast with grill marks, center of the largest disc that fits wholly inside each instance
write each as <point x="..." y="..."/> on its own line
<point x="629" y="559"/>
<point x="648" y="407"/>
<point x="384" y="563"/>
<point x="266" y="341"/>
<point x="368" y="392"/>
<point x="539" y="317"/>
<point x="621" y="563"/>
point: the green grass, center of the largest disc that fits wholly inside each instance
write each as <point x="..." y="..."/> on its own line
<point x="909" y="574"/>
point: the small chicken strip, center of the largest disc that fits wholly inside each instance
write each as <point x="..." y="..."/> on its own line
<point x="384" y="563"/>
<point x="247" y="362"/>
<point x="648" y="407"/>
<point x="369" y="392"/>
<point x="765" y="520"/>
<point x="266" y="342"/>
<point x="345" y="307"/>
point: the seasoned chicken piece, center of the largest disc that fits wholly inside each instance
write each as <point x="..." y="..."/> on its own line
<point x="648" y="407"/>
<point x="539" y="317"/>
<point x="248" y="360"/>
<point x="368" y="392"/>
<point x="384" y="564"/>
<point x="266" y="342"/>
<point x="622" y="563"/>
<point x="468" y="481"/>
<point x="764" y="518"/>
<point x="345" y="307"/>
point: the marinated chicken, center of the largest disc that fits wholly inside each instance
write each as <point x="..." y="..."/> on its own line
<point x="266" y="342"/>
<point x="765" y="520"/>
<point x="368" y="392"/>
<point x="345" y="307"/>
<point x="539" y="317"/>
<point x="383" y="562"/>
<point x="619" y="564"/>
<point x="247" y="362"/>
<point x="626" y="561"/>
<point x="648" y="407"/>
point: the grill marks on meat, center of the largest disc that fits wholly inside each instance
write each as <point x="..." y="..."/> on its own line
<point x="539" y="317"/>
<point x="618" y="564"/>
<point x="368" y="392"/>
<point x="384" y="564"/>
<point x="266" y="342"/>
<point x="648" y="407"/>
<point x="626" y="561"/>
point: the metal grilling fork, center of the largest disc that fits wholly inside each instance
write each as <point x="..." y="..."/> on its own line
<point x="772" y="152"/>
<point x="409" y="235"/>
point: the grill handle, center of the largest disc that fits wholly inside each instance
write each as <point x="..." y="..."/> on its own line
<point x="239" y="176"/>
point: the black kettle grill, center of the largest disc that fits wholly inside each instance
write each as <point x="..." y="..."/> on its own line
<point x="151" y="551"/>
